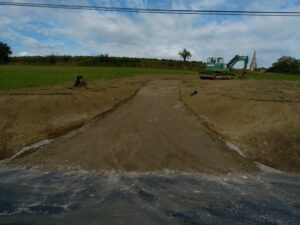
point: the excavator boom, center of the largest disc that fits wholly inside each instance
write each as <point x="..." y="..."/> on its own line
<point x="236" y="59"/>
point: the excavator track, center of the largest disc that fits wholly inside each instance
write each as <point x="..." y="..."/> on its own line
<point x="216" y="76"/>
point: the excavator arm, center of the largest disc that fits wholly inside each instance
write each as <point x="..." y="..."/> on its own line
<point x="236" y="59"/>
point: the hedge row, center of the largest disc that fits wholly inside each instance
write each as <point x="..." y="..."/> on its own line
<point x="105" y="60"/>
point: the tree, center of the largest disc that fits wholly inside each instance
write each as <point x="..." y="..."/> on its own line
<point x="185" y="54"/>
<point x="5" y="52"/>
<point x="286" y="64"/>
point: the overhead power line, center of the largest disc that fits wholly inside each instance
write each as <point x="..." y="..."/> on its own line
<point x="157" y="11"/>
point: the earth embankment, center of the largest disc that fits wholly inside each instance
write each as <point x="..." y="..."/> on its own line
<point x="261" y="117"/>
<point x="34" y="114"/>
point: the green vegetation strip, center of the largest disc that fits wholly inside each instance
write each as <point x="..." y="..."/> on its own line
<point x="272" y="76"/>
<point x="268" y="76"/>
<point x="16" y="76"/>
<point x="19" y="76"/>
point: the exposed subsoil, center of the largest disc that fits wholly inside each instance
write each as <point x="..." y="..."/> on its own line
<point x="261" y="117"/>
<point x="154" y="131"/>
<point x="130" y="126"/>
<point x="34" y="114"/>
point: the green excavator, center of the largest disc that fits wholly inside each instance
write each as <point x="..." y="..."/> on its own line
<point x="217" y="69"/>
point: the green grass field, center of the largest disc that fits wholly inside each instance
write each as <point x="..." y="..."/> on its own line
<point x="16" y="76"/>
<point x="272" y="76"/>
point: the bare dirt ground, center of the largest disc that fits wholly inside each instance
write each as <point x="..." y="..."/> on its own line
<point x="154" y="131"/>
<point x="33" y="114"/>
<point x="261" y="117"/>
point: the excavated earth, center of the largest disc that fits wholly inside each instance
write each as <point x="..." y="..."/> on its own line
<point x="153" y="123"/>
<point x="154" y="131"/>
<point x="30" y="115"/>
<point x="261" y="117"/>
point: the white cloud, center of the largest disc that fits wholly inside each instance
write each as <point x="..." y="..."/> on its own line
<point x="25" y="54"/>
<point x="151" y="35"/>
<point x="196" y="4"/>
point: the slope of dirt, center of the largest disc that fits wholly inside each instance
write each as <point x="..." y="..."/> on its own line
<point x="153" y="131"/>
<point x="33" y="114"/>
<point x="261" y="117"/>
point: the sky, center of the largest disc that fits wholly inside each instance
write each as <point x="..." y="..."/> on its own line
<point x="36" y="31"/>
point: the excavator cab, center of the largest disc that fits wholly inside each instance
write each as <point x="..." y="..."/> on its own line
<point x="215" y="64"/>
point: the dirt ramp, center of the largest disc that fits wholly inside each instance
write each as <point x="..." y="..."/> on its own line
<point x="154" y="131"/>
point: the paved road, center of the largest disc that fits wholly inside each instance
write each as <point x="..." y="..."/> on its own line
<point x="159" y="198"/>
<point x="153" y="131"/>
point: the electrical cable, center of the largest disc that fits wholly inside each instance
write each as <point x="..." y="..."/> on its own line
<point x="155" y="11"/>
